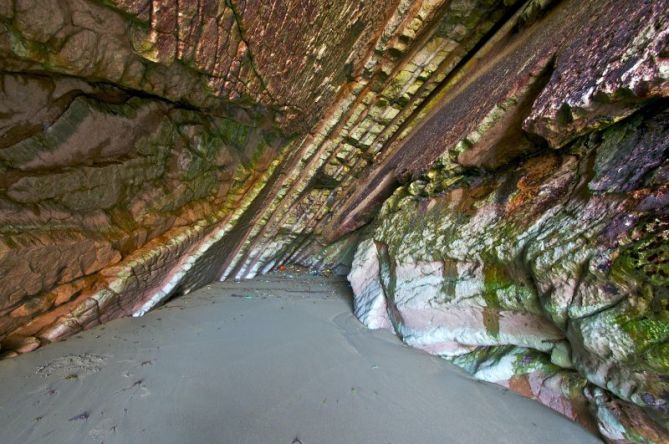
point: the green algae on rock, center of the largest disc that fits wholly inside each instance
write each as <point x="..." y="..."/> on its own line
<point x="558" y="241"/>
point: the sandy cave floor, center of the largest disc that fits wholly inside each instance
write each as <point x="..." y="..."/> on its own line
<point x="277" y="359"/>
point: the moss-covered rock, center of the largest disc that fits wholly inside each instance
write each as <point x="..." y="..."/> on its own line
<point x="562" y="254"/>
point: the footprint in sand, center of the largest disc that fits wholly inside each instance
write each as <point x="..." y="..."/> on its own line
<point x="105" y="428"/>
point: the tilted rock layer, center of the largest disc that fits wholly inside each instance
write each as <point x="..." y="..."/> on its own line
<point x="529" y="245"/>
<point x="494" y="173"/>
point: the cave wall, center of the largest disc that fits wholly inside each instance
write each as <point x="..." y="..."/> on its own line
<point x="527" y="243"/>
<point x="149" y="148"/>
<point x="548" y="277"/>
<point x="493" y="173"/>
<point x="139" y="139"/>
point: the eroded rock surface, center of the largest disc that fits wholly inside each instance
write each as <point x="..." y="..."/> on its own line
<point x="561" y="254"/>
<point x="139" y="138"/>
<point x="495" y="172"/>
<point x="544" y="273"/>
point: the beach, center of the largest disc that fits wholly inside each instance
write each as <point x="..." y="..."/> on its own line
<point x="276" y="359"/>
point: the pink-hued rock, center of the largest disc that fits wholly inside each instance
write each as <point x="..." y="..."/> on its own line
<point x="560" y="254"/>
<point x="604" y="58"/>
<point x="370" y="302"/>
<point x="43" y="262"/>
<point x="205" y="53"/>
<point x="528" y="373"/>
<point x="21" y="344"/>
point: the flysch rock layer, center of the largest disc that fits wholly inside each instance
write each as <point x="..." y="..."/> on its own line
<point x="139" y="138"/>
<point x="555" y="265"/>
<point x="528" y="242"/>
<point x="493" y="173"/>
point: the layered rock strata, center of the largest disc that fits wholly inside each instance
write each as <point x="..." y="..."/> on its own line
<point x="547" y="277"/>
<point x="499" y="169"/>
<point x="527" y="243"/>
<point x="149" y="148"/>
<point x="139" y="138"/>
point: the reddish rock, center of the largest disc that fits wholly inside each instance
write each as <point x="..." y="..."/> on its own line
<point x="486" y="115"/>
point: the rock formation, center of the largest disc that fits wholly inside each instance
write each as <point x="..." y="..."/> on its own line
<point x="499" y="169"/>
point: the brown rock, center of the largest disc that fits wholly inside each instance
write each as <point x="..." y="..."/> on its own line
<point x="613" y="64"/>
<point x="8" y="355"/>
<point x="39" y="20"/>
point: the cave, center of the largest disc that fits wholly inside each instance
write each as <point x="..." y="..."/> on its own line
<point x="310" y="221"/>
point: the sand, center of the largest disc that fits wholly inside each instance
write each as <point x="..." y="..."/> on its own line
<point x="279" y="359"/>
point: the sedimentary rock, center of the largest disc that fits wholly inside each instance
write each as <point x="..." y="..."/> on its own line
<point x="135" y="135"/>
<point x="545" y="273"/>
<point x="499" y="169"/>
<point x="561" y="253"/>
